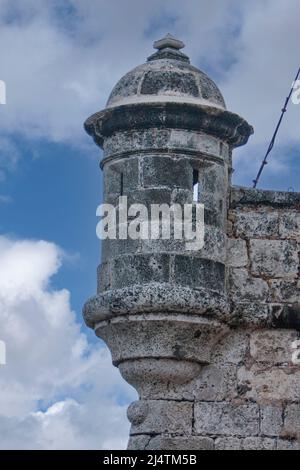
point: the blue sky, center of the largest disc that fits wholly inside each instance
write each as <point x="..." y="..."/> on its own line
<point x="60" y="60"/>
<point x="54" y="197"/>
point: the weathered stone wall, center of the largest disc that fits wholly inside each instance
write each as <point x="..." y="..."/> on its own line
<point x="264" y="284"/>
<point x="263" y="256"/>
<point x="248" y="397"/>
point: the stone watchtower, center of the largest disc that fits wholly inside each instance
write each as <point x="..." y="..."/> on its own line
<point x="206" y="337"/>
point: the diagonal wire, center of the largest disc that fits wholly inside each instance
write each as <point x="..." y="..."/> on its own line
<point x="283" y="111"/>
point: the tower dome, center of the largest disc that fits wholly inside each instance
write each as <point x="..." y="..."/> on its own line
<point x="166" y="76"/>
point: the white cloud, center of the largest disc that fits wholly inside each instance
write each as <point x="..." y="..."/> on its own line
<point x="59" y="67"/>
<point x="56" y="390"/>
<point x="9" y="156"/>
<point x="257" y="84"/>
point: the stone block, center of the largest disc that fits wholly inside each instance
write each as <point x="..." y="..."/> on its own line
<point x="182" y="196"/>
<point x="213" y="179"/>
<point x="228" y="443"/>
<point x="166" y="171"/>
<point x="271" y="420"/>
<point x="162" y="246"/>
<point x="180" y="443"/>
<point x="214" y="244"/>
<point x="292" y="421"/>
<point x="256" y="224"/>
<point x="161" y="416"/>
<point x="140" y="269"/>
<point x="251" y="314"/>
<point x="204" y="143"/>
<point x="158" y="82"/>
<point x="121" y="175"/>
<point x="150" y="196"/>
<point x="213" y="217"/>
<point x="289" y="224"/>
<point x="274" y="258"/>
<point x="138" y="442"/>
<point x="103" y="277"/>
<point x="237" y="256"/>
<point x="264" y="383"/>
<point x="244" y="287"/>
<point x="199" y="272"/>
<point x="113" y="248"/>
<point x="272" y="346"/>
<point x="241" y="196"/>
<point x="258" y="443"/>
<point x="285" y="290"/>
<point x="232" y="349"/>
<point x="227" y="419"/>
<point x="133" y="141"/>
<point x="215" y="383"/>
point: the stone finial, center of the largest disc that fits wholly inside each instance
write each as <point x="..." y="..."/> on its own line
<point x="168" y="41"/>
<point x="169" y="48"/>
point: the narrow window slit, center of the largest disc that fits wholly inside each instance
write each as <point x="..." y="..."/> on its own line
<point x="221" y="149"/>
<point x="196" y="186"/>
<point x="122" y="184"/>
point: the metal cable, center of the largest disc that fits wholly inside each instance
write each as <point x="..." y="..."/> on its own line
<point x="283" y="111"/>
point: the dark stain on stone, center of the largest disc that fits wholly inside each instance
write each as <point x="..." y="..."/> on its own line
<point x="287" y="316"/>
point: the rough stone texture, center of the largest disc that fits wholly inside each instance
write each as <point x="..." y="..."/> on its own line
<point x="180" y="443"/>
<point x="260" y="224"/>
<point x="215" y="383"/>
<point x="246" y="197"/>
<point x="270" y="384"/>
<point x="204" y="336"/>
<point x="274" y="258"/>
<point x="283" y="290"/>
<point x="271" y="420"/>
<point x="268" y="223"/>
<point x="273" y="347"/>
<point x="226" y="419"/>
<point x="177" y="79"/>
<point x="136" y="143"/>
<point x="232" y="349"/>
<point x="237" y="255"/>
<point x="251" y="314"/>
<point x="161" y="416"/>
<point x="228" y="443"/>
<point x="287" y="445"/>
<point x="254" y="443"/>
<point x="138" y="442"/>
<point x="249" y="443"/>
<point x="289" y="225"/>
<point x="244" y="287"/>
<point x="292" y="421"/>
<point x="166" y="171"/>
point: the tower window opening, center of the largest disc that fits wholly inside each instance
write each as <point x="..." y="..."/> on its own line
<point x="196" y="186"/>
<point x="122" y="184"/>
<point x="221" y="148"/>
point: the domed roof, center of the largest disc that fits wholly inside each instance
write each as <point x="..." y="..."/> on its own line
<point x="167" y="76"/>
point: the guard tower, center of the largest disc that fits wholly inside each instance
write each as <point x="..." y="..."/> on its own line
<point x="178" y="322"/>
